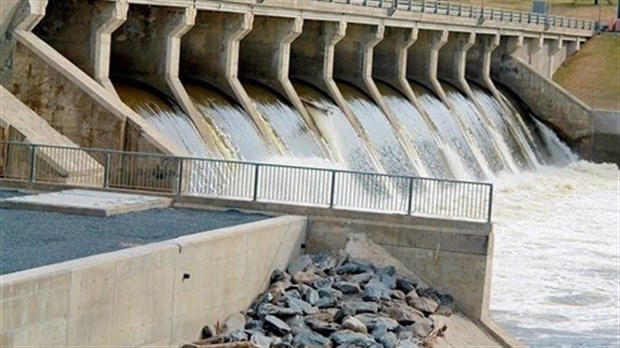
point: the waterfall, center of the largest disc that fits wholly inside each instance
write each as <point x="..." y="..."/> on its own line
<point x="426" y="139"/>
<point x="234" y="126"/>
<point x="287" y="123"/>
<point x="380" y="132"/>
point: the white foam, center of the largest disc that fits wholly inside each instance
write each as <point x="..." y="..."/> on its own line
<point x="556" y="259"/>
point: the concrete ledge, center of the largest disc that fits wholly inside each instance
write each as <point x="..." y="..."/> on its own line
<point x="159" y="294"/>
<point x="86" y="202"/>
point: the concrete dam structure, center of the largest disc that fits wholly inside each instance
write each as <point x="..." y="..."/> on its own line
<point x="413" y="89"/>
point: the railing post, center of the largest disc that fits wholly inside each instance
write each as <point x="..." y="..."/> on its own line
<point x="180" y="178"/>
<point x="106" y="171"/>
<point x="410" y="201"/>
<point x="255" y="194"/>
<point x="489" y="209"/>
<point x="33" y="162"/>
<point x="332" y="192"/>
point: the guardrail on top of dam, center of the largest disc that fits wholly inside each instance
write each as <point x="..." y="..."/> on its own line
<point x="259" y="182"/>
<point x="450" y="9"/>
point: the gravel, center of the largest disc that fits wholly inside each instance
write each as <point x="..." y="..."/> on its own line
<point x="31" y="239"/>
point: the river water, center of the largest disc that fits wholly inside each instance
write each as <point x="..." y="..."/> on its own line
<point x="556" y="265"/>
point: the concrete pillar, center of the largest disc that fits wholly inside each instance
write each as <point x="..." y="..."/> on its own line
<point x="29" y="14"/>
<point x="424" y="59"/>
<point x="536" y="55"/>
<point x="147" y="48"/>
<point x="265" y="56"/>
<point x="391" y="60"/>
<point x="557" y="55"/>
<point x="452" y="60"/>
<point x="317" y="44"/>
<point x="354" y="63"/>
<point x="109" y="18"/>
<point x="210" y="53"/>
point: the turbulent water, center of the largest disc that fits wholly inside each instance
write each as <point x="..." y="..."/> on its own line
<point x="556" y="260"/>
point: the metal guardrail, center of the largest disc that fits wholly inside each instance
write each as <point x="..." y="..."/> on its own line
<point x="249" y="181"/>
<point x="482" y="13"/>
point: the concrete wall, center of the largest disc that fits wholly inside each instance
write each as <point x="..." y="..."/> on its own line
<point x="159" y="294"/>
<point x="606" y="137"/>
<point x="550" y="102"/>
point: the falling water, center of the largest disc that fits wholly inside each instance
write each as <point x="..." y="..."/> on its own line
<point x="380" y="132"/>
<point x="520" y="150"/>
<point x="425" y="138"/>
<point x="287" y="123"/>
<point x="474" y="123"/>
<point x="166" y="116"/>
<point x="348" y="149"/>
<point x="235" y="126"/>
<point x="456" y="145"/>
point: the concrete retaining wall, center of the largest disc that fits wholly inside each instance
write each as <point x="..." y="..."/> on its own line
<point x="606" y="136"/>
<point x="160" y="294"/>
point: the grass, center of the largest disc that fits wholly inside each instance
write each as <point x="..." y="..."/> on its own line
<point x="593" y="73"/>
<point x="569" y="8"/>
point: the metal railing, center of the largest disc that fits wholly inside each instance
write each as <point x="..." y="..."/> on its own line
<point x="259" y="182"/>
<point x="481" y="13"/>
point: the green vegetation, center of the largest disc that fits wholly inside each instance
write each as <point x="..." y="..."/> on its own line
<point x="593" y="73"/>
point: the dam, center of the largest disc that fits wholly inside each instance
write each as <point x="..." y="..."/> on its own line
<point x="275" y="105"/>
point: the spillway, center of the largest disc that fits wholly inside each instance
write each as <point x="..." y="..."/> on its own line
<point x="381" y="134"/>
<point x="287" y="123"/>
<point x="465" y="165"/>
<point x="425" y="137"/>
<point x="348" y="149"/>
<point x="164" y="115"/>
<point x="233" y="124"/>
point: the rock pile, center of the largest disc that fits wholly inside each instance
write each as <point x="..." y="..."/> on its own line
<point x="327" y="300"/>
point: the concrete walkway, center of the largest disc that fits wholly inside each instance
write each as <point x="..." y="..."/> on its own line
<point x="86" y="202"/>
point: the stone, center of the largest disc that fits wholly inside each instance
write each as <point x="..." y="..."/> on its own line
<point x="388" y="280"/>
<point x="352" y="338"/>
<point x="297" y="304"/>
<point x="235" y="321"/>
<point x="308" y="294"/>
<point x="354" y="324"/>
<point x="208" y="331"/>
<point x="404" y="315"/>
<point x="405" y="285"/>
<point x="388" y="340"/>
<point x="322" y="327"/>
<point x="278" y="289"/>
<point x="445" y="310"/>
<point x="409" y="343"/>
<point x="421" y="329"/>
<point x="310" y="339"/>
<point x="324" y="261"/>
<point x="411" y="295"/>
<point x="379" y="332"/>
<point x="399" y="295"/>
<point x="270" y="309"/>
<point x="373" y="321"/>
<point x="387" y="270"/>
<point x="299" y="265"/>
<point x="297" y="324"/>
<point x="307" y="278"/>
<point x="347" y="287"/>
<point x="265" y="297"/>
<point x="293" y="293"/>
<point x="277" y="275"/>
<point x="260" y="340"/>
<point x="276" y="326"/>
<point x="423" y="304"/>
<point x="361" y="278"/>
<point x="358" y="307"/>
<point x="323" y="283"/>
<point x="329" y="292"/>
<point x="376" y="291"/>
<point x="326" y="302"/>
<point x="236" y="336"/>
<point x="253" y="325"/>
